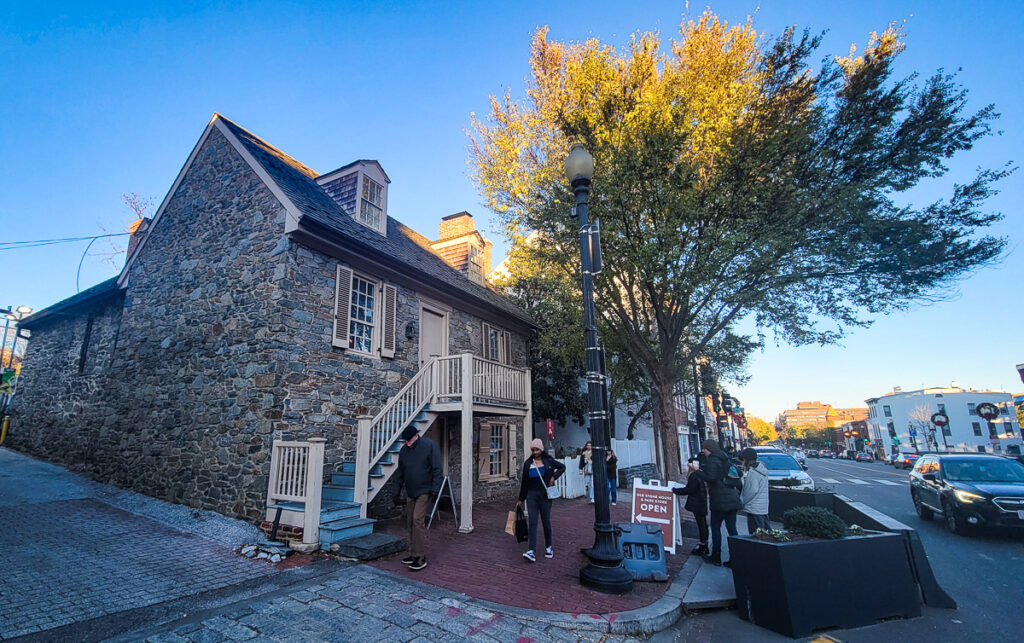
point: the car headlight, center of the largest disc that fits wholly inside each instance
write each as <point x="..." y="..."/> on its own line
<point x="967" y="496"/>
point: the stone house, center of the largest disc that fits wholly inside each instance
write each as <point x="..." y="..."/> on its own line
<point x="265" y="301"/>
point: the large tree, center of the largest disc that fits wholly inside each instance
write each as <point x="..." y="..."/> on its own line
<point x="737" y="179"/>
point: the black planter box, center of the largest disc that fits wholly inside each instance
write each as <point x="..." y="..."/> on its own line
<point x="782" y="499"/>
<point x="796" y="588"/>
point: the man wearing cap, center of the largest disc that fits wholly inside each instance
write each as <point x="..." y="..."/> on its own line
<point x="419" y="475"/>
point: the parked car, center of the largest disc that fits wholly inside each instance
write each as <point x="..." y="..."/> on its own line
<point x="891" y="458"/>
<point x="864" y="457"/>
<point x="812" y="453"/>
<point x="906" y="460"/>
<point x="828" y="454"/>
<point x="782" y="466"/>
<point x="969" y="490"/>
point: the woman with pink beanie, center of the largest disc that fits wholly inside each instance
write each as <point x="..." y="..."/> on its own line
<point x="539" y="472"/>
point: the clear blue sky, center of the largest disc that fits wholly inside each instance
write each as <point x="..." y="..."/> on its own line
<point x="96" y="101"/>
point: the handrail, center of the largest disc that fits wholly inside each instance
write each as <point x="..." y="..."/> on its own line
<point x="387" y="425"/>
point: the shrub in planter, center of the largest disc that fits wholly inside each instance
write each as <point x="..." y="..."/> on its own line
<point x="816" y="522"/>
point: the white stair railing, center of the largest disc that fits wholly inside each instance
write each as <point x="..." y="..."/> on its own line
<point x="296" y="475"/>
<point x="377" y="434"/>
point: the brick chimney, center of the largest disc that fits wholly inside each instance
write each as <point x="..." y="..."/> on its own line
<point x="138" y="230"/>
<point x="463" y="247"/>
<point x="456" y="225"/>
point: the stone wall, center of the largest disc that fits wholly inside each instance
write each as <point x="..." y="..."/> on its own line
<point x="646" y="472"/>
<point x="222" y="343"/>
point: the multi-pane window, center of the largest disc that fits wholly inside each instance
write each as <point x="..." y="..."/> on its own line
<point x="992" y="429"/>
<point x="1008" y="428"/>
<point x="970" y="409"/>
<point x="496" y="457"/>
<point x="371" y="205"/>
<point x="887" y="411"/>
<point x="497" y="344"/>
<point x="361" y="315"/>
<point x="1003" y="410"/>
<point x="942" y="408"/>
<point x="977" y="428"/>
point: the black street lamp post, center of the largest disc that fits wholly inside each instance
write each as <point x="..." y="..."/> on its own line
<point x="605" y="571"/>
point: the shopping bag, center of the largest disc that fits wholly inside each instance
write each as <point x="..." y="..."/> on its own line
<point x="553" y="492"/>
<point x="522" y="529"/>
<point x="510" y="524"/>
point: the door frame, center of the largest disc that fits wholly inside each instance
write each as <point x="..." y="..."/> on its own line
<point x="442" y="311"/>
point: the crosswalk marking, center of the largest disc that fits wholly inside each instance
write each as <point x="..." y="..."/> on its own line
<point x="858" y="481"/>
<point x="830" y="480"/>
<point x="890" y="482"/>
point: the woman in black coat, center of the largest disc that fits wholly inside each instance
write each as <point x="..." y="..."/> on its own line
<point x="696" y="493"/>
<point x="539" y="472"/>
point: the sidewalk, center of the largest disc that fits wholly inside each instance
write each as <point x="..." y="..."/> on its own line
<point x="488" y="564"/>
<point x="72" y="549"/>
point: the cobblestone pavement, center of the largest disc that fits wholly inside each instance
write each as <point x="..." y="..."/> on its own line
<point x="72" y="560"/>
<point x="360" y="603"/>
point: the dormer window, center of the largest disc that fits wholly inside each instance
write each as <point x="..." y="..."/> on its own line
<point x="371" y="206"/>
<point x="361" y="189"/>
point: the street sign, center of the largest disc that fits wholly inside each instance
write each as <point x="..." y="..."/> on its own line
<point x="551" y="429"/>
<point x="655" y="504"/>
<point x="913" y="432"/>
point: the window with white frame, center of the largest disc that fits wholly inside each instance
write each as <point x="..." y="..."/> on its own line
<point x="497" y="344"/>
<point x="371" y="204"/>
<point x="887" y="411"/>
<point x="493" y="453"/>
<point x="970" y="409"/>
<point x="362" y="315"/>
<point x="976" y="427"/>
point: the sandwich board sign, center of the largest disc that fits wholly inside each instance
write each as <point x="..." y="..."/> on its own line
<point x="656" y="504"/>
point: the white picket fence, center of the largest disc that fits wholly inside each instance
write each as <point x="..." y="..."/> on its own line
<point x="632" y="452"/>
<point x="629" y="452"/>
<point x="571" y="482"/>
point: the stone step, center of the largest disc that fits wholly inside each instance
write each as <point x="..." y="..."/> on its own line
<point x="343" y="529"/>
<point x="335" y="510"/>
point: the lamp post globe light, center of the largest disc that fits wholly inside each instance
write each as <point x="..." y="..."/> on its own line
<point x="605" y="571"/>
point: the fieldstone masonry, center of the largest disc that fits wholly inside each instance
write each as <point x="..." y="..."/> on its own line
<point x="220" y="344"/>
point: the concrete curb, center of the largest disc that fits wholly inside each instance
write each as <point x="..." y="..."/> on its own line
<point x="641" y="621"/>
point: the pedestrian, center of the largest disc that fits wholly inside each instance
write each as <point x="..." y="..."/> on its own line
<point x="697" y="503"/>
<point x="539" y="472"/>
<point x="612" y="466"/>
<point x="754" y="494"/>
<point x="722" y="494"/>
<point x="587" y="469"/>
<point x="419" y="475"/>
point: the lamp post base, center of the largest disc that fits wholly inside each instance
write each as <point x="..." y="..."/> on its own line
<point x="607" y="580"/>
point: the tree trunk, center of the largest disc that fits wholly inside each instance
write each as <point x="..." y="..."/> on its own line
<point x="665" y="424"/>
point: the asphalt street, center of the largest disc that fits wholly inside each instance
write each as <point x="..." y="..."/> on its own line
<point x="983" y="572"/>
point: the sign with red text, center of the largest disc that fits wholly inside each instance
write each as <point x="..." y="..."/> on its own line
<point x="551" y="429"/>
<point x="655" y="504"/>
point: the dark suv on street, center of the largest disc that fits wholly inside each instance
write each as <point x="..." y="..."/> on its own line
<point x="969" y="490"/>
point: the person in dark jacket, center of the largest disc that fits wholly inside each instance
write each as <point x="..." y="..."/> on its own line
<point x="725" y="498"/>
<point x="612" y="466"/>
<point x="419" y="475"/>
<point x="539" y="472"/>
<point x="697" y="503"/>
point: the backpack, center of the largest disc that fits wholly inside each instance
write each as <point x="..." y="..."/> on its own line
<point x="732" y="479"/>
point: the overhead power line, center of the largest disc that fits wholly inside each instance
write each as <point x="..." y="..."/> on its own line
<point x="19" y="245"/>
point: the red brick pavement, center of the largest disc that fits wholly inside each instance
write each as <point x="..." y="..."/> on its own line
<point x="488" y="564"/>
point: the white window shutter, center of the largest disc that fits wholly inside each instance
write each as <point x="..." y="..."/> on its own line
<point x="509" y="462"/>
<point x="506" y="349"/>
<point x="387" y="338"/>
<point x="342" y="304"/>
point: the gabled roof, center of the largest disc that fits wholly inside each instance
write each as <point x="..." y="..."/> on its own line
<point x="355" y="163"/>
<point x="96" y="293"/>
<point x="402" y="244"/>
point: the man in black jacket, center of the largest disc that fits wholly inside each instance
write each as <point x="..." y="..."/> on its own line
<point x="419" y="475"/>
<point x="724" y="497"/>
